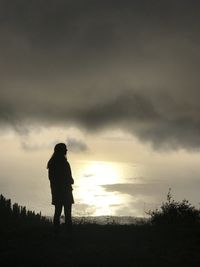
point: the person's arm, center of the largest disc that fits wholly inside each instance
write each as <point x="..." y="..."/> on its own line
<point x="69" y="174"/>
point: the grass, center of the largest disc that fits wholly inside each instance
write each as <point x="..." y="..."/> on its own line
<point x="97" y="245"/>
<point x="170" y="238"/>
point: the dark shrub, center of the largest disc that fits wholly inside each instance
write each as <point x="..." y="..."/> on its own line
<point x="175" y="213"/>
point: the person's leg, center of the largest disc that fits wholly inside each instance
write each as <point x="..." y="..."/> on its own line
<point x="56" y="218"/>
<point x="68" y="216"/>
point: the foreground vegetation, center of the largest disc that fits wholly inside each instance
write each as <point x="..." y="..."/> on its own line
<point x="169" y="242"/>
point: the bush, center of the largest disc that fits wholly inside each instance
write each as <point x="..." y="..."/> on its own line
<point x="175" y="213"/>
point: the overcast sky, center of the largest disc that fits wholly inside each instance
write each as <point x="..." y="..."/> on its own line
<point x="124" y="70"/>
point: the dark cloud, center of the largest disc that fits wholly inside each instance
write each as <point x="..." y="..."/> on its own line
<point x="134" y="190"/>
<point x="77" y="146"/>
<point x="126" y="64"/>
<point x="122" y="109"/>
<point x="156" y="192"/>
<point x="144" y="196"/>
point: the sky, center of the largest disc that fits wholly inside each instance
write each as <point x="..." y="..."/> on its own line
<point x="118" y="82"/>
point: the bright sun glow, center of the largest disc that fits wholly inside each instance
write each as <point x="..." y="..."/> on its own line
<point x="103" y="172"/>
<point x="95" y="175"/>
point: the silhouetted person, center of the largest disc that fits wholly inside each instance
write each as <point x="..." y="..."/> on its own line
<point x="61" y="181"/>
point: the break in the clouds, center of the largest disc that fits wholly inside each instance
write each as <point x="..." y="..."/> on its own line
<point x="132" y="65"/>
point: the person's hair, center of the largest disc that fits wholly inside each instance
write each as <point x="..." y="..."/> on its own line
<point x="60" y="148"/>
<point x="59" y="151"/>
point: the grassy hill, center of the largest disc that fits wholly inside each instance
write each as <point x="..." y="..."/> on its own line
<point x="26" y="242"/>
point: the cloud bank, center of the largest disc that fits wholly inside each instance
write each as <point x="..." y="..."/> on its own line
<point x="77" y="146"/>
<point x="103" y="64"/>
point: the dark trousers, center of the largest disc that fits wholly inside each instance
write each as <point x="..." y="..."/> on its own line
<point x="57" y="214"/>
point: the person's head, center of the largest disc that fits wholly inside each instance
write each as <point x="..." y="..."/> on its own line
<point x="60" y="149"/>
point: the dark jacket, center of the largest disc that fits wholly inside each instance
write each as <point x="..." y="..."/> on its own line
<point x="61" y="180"/>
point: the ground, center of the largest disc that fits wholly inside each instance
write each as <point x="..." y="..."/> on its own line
<point x="97" y="245"/>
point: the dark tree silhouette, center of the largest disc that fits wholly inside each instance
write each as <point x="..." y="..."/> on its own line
<point x="14" y="216"/>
